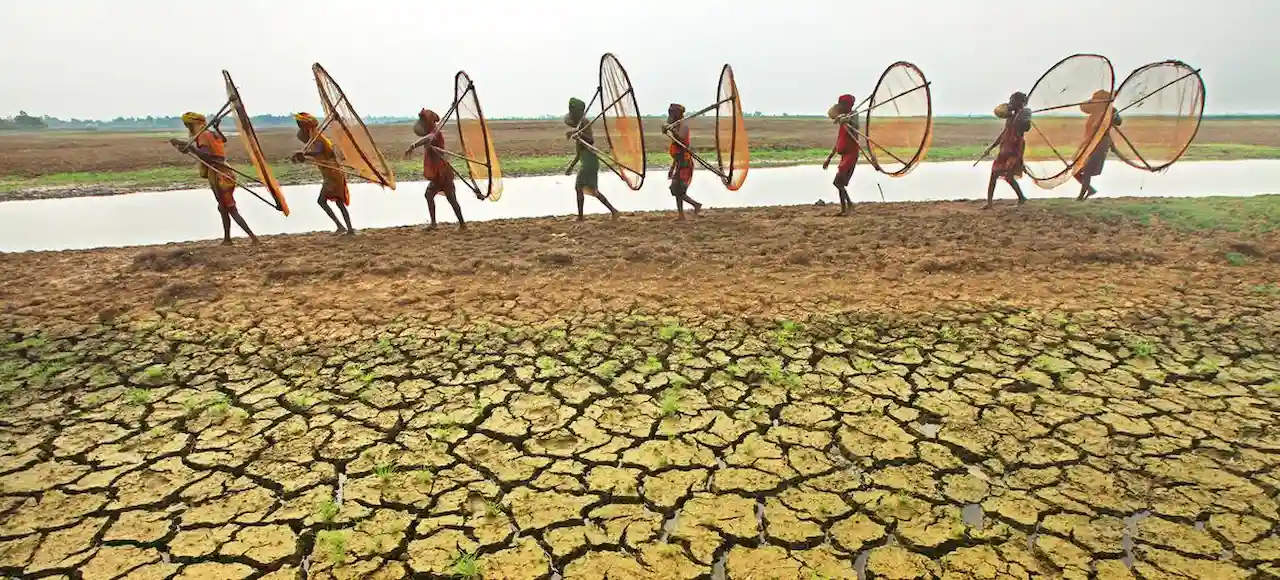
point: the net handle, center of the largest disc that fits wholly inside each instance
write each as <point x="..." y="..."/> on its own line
<point x="237" y="183"/>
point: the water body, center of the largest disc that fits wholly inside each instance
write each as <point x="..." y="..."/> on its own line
<point x="176" y="216"/>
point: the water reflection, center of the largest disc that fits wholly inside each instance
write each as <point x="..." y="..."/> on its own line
<point x="161" y="217"/>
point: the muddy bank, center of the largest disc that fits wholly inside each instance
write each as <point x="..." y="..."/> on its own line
<point x="918" y="391"/>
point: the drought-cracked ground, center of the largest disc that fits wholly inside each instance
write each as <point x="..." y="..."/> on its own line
<point x="762" y="394"/>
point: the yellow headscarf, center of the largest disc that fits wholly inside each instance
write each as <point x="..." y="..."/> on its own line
<point x="191" y="118"/>
<point x="306" y="120"/>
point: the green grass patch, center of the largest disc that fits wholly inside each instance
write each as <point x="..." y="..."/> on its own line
<point x="1234" y="214"/>
<point x="184" y="176"/>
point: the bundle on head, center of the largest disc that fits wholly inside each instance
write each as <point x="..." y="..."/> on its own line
<point x="427" y="120"/>
<point x="1097" y="103"/>
<point x="1002" y="110"/>
<point x="306" y="120"/>
<point x="843" y="106"/>
<point x="192" y="118"/>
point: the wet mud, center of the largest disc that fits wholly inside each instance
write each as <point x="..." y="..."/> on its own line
<point x="770" y="393"/>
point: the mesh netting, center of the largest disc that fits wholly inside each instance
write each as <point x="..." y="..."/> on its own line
<point x="1160" y="107"/>
<point x="732" y="155"/>
<point x="249" y="140"/>
<point x="622" y="121"/>
<point x="476" y="141"/>
<point x="899" y="120"/>
<point x="1062" y="136"/>
<point x="355" y="144"/>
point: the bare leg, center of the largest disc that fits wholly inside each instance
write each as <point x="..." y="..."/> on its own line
<point x="235" y="215"/>
<point x="991" y="190"/>
<point x="1016" y="189"/>
<point x="457" y="209"/>
<point x="431" y="206"/>
<point x="582" y="198"/>
<point x="605" y="201"/>
<point x="680" y="206"/>
<point x="226" y="226"/>
<point x="1086" y="187"/>
<point x="697" y="207"/>
<point x="325" y="206"/>
<point x="846" y="202"/>
<point x="346" y="216"/>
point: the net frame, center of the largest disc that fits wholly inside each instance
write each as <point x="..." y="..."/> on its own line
<point x="249" y="140"/>
<point x="733" y="172"/>
<point x="1070" y="168"/>
<point x="630" y="174"/>
<point x="1139" y="161"/>
<point x="726" y="149"/>
<point x="350" y="126"/>
<point x="478" y="167"/>
<point x="922" y="148"/>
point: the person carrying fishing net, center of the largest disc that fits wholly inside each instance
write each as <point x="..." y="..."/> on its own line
<point x="1097" y="108"/>
<point x="322" y="154"/>
<point x="847" y="146"/>
<point x="681" y="171"/>
<point x="435" y="168"/>
<point x="588" y="181"/>
<point x="209" y="146"/>
<point x="1008" y="165"/>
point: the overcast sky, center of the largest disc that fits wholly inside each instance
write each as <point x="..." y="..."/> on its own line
<point x="100" y="58"/>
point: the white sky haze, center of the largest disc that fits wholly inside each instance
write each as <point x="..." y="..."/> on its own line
<point x="101" y="59"/>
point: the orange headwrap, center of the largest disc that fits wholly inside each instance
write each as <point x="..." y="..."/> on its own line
<point x="306" y="120"/>
<point x="192" y="118"/>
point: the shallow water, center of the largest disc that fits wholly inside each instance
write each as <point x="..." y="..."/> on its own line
<point x="174" y="216"/>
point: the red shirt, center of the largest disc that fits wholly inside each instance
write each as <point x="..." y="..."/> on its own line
<point x="846" y="144"/>
<point x="434" y="165"/>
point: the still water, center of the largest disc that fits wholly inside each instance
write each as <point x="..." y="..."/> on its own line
<point x="174" y="216"/>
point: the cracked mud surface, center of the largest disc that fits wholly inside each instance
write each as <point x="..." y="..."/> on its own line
<point x="1027" y="415"/>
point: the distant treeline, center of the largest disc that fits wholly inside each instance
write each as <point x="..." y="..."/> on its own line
<point x="26" y="122"/>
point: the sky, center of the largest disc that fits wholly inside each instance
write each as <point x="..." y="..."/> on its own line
<point x="107" y="58"/>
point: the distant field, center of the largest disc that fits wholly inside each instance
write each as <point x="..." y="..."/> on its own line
<point x="69" y="163"/>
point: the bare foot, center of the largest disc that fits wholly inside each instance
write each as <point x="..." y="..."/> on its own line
<point x="697" y="211"/>
<point x="256" y="242"/>
<point x="582" y="218"/>
<point x="432" y="227"/>
<point x="614" y="216"/>
<point x="340" y="231"/>
<point x="1022" y="200"/>
<point x="462" y="227"/>
<point x="680" y="218"/>
<point x="988" y="206"/>
<point x="226" y="242"/>
<point x="350" y="232"/>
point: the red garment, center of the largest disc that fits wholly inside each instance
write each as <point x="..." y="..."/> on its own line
<point x="683" y="159"/>
<point x="436" y="169"/>
<point x="1012" y="144"/>
<point x="848" y="147"/>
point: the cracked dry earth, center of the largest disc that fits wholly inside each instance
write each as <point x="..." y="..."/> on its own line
<point x="1113" y="419"/>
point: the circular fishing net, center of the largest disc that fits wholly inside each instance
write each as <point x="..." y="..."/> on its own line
<point x="899" y="124"/>
<point x="1062" y="135"/>
<point x="1160" y="107"/>
<point x="732" y="155"/>
<point x="622" y="126"/>
<point x="355" y="144"/>
<point x="476" y="141"/>
<point x="249" y="140"/>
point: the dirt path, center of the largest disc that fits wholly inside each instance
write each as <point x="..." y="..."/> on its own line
<point x="919" y="391"/>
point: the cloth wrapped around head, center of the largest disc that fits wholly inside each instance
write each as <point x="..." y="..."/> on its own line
<point x="427" y="121"/>
<point x="192" y="118"/>
<point x="676" y="110"/>
<point x="306" y="120"/>
<point x="577" y="109"/>
<point x="843" y="106"/>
